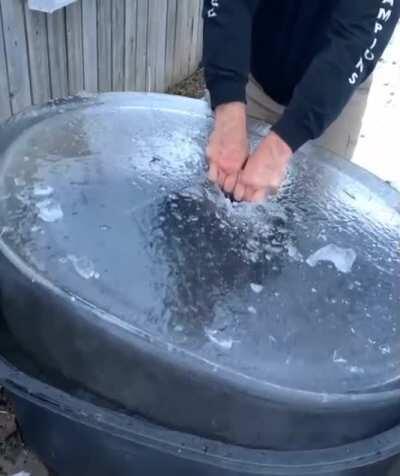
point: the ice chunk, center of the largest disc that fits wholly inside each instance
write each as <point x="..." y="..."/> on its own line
<point x="83" y="266"/>
<point x="19" y="181"/>
<point x="342" y="258"/>
<point x="252" y="310"/>
<point x="294" y="253"/>
<point x="256" y="288"/>
<point x="40" y="190"/>
<point x="49" y="210"/>
<point x="216" y="339"/>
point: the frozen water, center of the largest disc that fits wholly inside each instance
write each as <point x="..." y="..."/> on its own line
<point x="83" y="266"/>
<point x="342" y="258"/>
<point x="50" y="210"/>
<point x="256" y="288"/>
<point x="293" y="252"/>
<point x="215" y="339"/>
<point x="40" y="190"/>
<point x="19" y="181"/>
<point x="252" y="310"/>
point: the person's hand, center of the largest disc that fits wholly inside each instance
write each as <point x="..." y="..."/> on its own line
<point x="228" y="146"/>
<point x="265" y="170"/>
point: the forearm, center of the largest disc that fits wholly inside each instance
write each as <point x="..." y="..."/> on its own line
<point x="227" y="48"/>
<point x="358" y="35"/>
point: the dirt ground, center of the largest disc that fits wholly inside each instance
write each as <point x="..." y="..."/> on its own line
<point x="379" y="139"/>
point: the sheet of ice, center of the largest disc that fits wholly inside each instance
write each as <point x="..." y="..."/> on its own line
<point x="50" y="210"/>
<point x="342" y="258"/>
<point x="83" y="266"/>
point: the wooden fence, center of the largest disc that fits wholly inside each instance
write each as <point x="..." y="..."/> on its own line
<point x="95" y="45"/>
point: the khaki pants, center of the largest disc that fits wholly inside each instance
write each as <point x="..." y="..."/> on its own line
<point x="341" y="137"/>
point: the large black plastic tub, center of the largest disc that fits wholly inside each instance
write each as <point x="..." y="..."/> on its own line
<point x="76" y="437"/>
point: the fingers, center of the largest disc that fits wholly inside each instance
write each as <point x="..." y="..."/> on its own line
<point x="213" y="172"/>
<point x="221" y="178"/>
<point x="259" y="196"/>
<point x="239" y="191"/>
<point x="230" y="183"/>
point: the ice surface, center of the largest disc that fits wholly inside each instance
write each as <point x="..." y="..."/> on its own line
<point x="342" y="258"/>
<point x="50" y="210"/>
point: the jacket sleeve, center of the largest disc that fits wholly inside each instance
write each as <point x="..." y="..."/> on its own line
<point x="358" y="34"/>
<point x="227" y="48"/>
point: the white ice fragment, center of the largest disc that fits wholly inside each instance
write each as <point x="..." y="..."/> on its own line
<point x="256" y="288"/>
<point x="294" y="253"/>
<point x="223" y="343"/>
<point x="5" y="230"/>
<point x="337" y="359"/>
<point x="40" y="190"/>
<point x="356" y="370"/>
<point x="342" y="258"/>
<point x="252" y="310"/>
<point x="83" y="266"/>
<point x="22" y="473"/>
<point x="19" y="181"/>
<point x="49" y="210"/>
<point x="385" y="349"/>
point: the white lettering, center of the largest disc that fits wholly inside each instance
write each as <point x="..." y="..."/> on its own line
<point x="384" y="14"/>
<point x="360" y="65"/>
<point x="369" y="56"/>
<point x="212" y="12"/>
<point x="353" y="78"/>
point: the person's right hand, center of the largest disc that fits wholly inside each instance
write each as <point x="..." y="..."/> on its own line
<point x="228" y="147"/>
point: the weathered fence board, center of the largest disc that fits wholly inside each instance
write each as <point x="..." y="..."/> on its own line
<point x="95" y="45"/>
<point x="104" y="50"/>
<point x="118" y="44"/>
<point x="57" y="54"/>
<point x="75" y="48"/>
<point x="5" y="106"/>
<point x="141" y="46"/>
<point x="89" y="20"/>
<point x="16" y="54"/>
<point x="38" y="54"/>
<point x="130" y="44"/>
<point x="157" y="25"/>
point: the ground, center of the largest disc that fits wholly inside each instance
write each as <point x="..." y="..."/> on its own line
<point x="377" y="151"/>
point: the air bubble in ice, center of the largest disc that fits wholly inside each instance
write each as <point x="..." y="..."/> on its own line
<point x="342" y="258"/>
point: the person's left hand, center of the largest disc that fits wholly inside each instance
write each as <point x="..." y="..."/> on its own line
<point x="264" y="171"/>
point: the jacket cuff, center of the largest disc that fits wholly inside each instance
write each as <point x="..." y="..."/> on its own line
<point x="292" y="131"/>
<point x="227" y="90"/>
